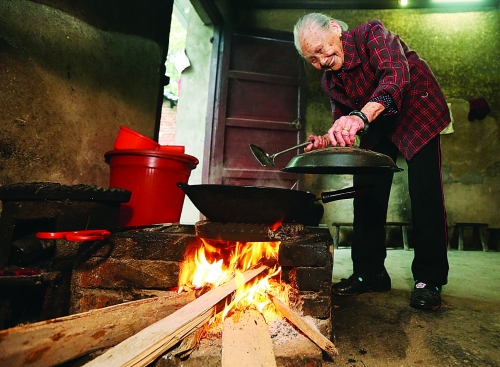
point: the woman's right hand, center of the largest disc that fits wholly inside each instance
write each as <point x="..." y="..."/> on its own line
<point x="343" y="131"/>
<point x="317" y="142"/>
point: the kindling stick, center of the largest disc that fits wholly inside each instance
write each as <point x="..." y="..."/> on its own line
<point x="150" y="343"/>
<point x="311" y="332"/>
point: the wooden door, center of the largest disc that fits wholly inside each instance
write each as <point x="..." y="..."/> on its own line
<point x="259" y="101"/>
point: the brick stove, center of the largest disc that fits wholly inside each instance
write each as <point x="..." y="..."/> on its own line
<point x="305" y="256"/>
<point x="146" y="263"/>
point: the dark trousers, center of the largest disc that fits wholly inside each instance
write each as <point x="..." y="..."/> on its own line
<point x="429" y="228"/>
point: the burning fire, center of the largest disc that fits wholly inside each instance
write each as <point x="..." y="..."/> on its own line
<point x="215" y="264"/>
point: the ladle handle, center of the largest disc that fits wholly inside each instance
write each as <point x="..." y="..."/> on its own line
<point x="295" y="147"/>
<point x="292" y="148"/>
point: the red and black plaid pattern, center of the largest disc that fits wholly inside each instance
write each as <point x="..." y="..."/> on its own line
<point x="377" y="63"/>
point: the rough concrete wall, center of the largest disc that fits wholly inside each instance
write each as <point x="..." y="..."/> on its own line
<point x="471" y="167"/>
<point x="463" y="50"/>
<point x="71" y="73"/>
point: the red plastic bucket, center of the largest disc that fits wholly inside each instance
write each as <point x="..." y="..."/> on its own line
<point x="151" y="176"/>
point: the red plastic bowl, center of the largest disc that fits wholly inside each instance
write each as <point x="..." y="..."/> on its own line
<point x="172" y="148"/>
<point x="131" y="139"/>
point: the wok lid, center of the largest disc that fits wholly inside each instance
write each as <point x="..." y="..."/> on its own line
<point x="341" y="160"/>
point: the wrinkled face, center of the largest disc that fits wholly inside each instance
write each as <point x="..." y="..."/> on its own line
<point x="323" y="48"/>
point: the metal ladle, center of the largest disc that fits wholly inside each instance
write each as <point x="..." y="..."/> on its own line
<point x="268" y="160"/>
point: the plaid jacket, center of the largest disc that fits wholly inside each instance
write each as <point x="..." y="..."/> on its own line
<point x="378" y="62"/>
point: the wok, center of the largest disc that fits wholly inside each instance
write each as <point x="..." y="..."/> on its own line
<point x="258" y="204"/>
<point x="341" y="160"/>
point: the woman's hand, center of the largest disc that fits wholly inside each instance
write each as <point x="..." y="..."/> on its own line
<point x="343" y="131"/>
<point x="317" y="142"/>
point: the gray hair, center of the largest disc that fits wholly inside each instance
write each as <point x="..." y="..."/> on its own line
<point x="320" y="20"/>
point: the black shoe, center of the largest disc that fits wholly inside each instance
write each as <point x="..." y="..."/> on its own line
<point x="357" y="284"/>
<point x="425" y="296"/>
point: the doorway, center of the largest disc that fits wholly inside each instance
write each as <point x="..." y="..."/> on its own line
<point x="260" y="101"/>
<point x="176" y="62"/>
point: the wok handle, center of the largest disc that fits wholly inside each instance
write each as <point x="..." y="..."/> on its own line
<point x="348" y="193"/>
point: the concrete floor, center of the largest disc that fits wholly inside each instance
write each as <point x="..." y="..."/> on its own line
<point x="382" y="330"/>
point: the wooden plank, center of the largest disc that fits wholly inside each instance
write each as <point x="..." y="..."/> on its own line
<point x="260" y="123"/>
<point x="351" y="4"/>
<point x="51" y="342"/>
<point x="311" y="332"/>
<point x="147" y="345"/>
<point x="263" y="78"/>
<point x="246" y="341"/>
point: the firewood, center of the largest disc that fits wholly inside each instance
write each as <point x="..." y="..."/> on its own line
<point x="150" y="343"/>
<point x="311" y="332"/>
<point x="51" y="342"/>
<point x="246" y="341"/>
<point x="188" y="344"/>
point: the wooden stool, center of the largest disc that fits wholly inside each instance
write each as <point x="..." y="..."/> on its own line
<point x="402" y="225"/>
<point x="494" y="240"/>
<point x="477" y="228"/>
<point x="336" y="236"/>
<point x="404" y="232"/>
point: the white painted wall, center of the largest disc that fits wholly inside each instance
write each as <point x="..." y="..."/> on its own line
<point x="192" y="106"/>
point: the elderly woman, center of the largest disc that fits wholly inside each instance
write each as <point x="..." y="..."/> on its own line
<point x="382" y="89"/>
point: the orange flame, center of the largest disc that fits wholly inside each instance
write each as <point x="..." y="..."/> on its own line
<point x="216" y="264"/>
<point x="276" y="225"/>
